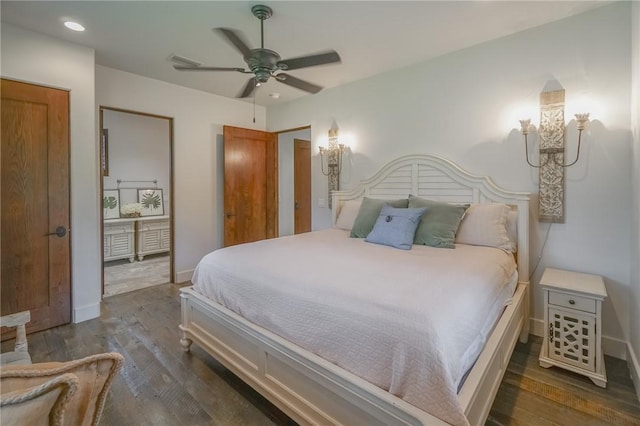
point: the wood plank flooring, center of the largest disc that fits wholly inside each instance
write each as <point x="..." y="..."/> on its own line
<point x="162" y="385"/>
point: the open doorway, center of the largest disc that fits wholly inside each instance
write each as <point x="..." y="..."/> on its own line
<point x="294" y="181"/>
<point x="137" y="200"/>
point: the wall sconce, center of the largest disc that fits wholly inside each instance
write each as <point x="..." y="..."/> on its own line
<point x="551" y="135"/>
<point x="581" y="120"/>
<point x="332" y="155"/>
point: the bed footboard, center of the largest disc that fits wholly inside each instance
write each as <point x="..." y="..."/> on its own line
<point x="306" y="387"/>
<point x="312" y="390"/>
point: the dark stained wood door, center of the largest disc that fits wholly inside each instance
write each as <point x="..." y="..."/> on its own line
<point x="36" y="273"/>
<point x="250" y="185"/>
<point x="302" y="186"/>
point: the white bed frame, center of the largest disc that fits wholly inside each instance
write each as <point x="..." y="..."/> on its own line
<point x="314" y="391"/>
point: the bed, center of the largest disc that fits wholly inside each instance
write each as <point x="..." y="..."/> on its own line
<point x="316" y="387"/>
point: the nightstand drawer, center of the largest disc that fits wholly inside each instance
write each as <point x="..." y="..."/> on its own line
<point x="572" y="301"/>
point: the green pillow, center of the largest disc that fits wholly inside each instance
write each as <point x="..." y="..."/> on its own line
<point x="439" y="224"/>
<point x="369" y="212"/>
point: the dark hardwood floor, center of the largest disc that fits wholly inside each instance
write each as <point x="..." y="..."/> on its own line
<point x="161" y="385"/>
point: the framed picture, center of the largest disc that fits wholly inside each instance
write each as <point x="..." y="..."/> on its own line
<point x="104" y="151"/>
<point x="152" y="201"/>
<point x="111" y="203"/>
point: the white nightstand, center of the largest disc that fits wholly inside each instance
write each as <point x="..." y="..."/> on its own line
<point x="572" y="317"/>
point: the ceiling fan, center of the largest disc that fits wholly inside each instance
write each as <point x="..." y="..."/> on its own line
<point x="265" y="63"/>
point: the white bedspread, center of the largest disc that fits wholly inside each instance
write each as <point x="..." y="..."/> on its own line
<point x="411" y="322"/>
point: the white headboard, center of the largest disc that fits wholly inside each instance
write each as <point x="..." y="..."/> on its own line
<point x="435" y="178"/>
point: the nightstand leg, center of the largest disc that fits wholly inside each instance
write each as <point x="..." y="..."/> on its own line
<point x="545" y="364"/>
<point x="599" y="383"/>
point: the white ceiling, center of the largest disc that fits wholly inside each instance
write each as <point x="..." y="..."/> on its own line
<point x="371" y="37"/>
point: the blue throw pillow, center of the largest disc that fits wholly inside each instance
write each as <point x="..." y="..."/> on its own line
<point x="396" y="227"/>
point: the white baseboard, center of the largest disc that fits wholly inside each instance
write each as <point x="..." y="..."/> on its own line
<point x="536" y="327"/>
<point x="85" y="313"/>
<point x="610" y="345"/>
<point x="183" y="276"/>
<point x="634" y="368"/>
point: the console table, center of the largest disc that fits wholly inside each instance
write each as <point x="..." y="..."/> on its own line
<point x="118" y="239"/>
<point x="127" y="238"/>
<point x="153" y="235"/>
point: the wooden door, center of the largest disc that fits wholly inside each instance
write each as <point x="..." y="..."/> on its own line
<point x="35" y="273"/>
<point x="250" y="185"/>
<point x="302" y="186"/>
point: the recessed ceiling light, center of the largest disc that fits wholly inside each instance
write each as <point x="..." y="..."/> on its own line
<point x="73" y="26"/>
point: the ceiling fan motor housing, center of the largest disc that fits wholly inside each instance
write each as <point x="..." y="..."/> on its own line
<point x="262" y="62"/>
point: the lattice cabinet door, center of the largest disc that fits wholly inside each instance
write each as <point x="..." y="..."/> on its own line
<point x="573" y="323"/>
<point x="572" y="338"/>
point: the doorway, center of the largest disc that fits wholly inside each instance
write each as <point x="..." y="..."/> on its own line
<point x="294" y="181"/>
<point x="136" y="157"/>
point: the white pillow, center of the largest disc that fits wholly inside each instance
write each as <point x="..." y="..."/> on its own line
<point x="485" y="225"/>
<point x="347" y="214"/>
<point x="512" y="228"/>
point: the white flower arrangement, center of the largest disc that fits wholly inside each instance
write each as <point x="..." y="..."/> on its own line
<point x="131" y="210"/>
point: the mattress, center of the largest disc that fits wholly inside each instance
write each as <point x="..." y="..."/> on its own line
<point x="410" y="322"/>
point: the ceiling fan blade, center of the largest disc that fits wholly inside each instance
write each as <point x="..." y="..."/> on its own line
<point x="248" y="88"/>
<point x="235" y="38"/>
<point x="292" y="81"/>
<point x="185" y="68"/>
<point x="309" y="61"/>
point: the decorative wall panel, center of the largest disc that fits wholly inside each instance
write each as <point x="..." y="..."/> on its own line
<point x="552" y="137"/>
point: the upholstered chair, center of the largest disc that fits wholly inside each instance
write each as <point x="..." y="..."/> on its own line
<point x="38" y="405"/>
<point x="95" y="375"/>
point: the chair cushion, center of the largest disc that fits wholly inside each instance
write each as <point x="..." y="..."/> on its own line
<point x="38" y="405"/>
<point x="95" y="374"/>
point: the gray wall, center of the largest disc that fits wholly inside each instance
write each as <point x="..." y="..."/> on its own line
<point x="139" y="150"/>
<point x="465" y="106"/>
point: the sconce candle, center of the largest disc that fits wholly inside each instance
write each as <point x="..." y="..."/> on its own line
<point x="526" y="126"/>
<point x="581" y="119"/>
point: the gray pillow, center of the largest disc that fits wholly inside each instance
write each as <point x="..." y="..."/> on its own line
<point x="395" y="227"/>
<point x="368" y="214"/>
<point x="439" y="224"/>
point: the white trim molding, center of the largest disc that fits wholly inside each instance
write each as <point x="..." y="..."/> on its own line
<point x="85" y="313"/>
<point x="634" y="368"/>
<point x="183" y="276"/>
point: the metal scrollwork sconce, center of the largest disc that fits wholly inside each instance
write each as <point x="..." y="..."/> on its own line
<point x="551" y="134"/>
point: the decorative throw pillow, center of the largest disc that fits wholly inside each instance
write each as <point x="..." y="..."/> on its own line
<point x="395" y="227"/>
<point x="348" y="213"/>
<point x="368" y="214"/>
<point x="439" y="224"/>
<point x="485" y="225"/>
